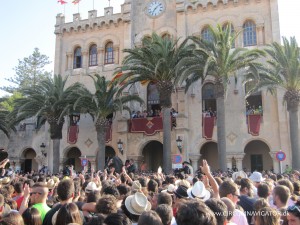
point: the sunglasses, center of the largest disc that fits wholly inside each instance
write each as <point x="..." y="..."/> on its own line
<point x="33" y="193"/>
<point x="293" y="208"/>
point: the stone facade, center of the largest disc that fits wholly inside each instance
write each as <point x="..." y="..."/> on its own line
<point x="178" y="18"/>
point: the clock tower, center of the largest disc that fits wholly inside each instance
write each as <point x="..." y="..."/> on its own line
<point x="149" y="16"/>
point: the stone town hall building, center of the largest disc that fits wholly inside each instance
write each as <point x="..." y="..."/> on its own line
<point x="256" y="128"/>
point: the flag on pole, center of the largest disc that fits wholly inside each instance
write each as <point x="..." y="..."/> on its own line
<point x="62" y="2"/>
<point x="75" y="2"/>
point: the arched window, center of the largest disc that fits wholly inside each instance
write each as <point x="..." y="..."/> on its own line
<point x="109" y="53"/>
<point x="153" y="102"/>
<point x="166" y="36"/>
<point x="249" y="33"/>
<point x="231" y="27"/>
<point x="146" y="40"/>
<point x="254" y="101"/>
<point x="206" y="34"/>
<point x="208" y="98"/>
<point x="77" y="58"/>
<point x="93" y="55"/>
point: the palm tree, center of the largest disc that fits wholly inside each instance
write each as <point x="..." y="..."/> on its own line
<point x="49" y="101"/>
<point x="283" y="72"/>
<point x="155" y="62"/>
<point x="216" y="58"/>
<point x="100" y="105"/>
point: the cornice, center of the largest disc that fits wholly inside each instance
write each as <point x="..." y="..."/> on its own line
<point x="194" y="5"/>
<point x="90" y="24"/>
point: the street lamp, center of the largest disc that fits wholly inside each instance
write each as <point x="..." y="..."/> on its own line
<point x="120" y="146"/>
<point x="43" y="149"/>
<point x="179" y="143"/>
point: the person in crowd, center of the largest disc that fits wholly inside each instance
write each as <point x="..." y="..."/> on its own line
<point x="231" y="191"/>
<point x="131" y="167"/>
<point x="219" y="208"/>
<point x="12" y="218"/>
<point x="293" y="216"/>
<point x="246" y="200"/>
<point x="194" y="211"/>
<point x="267" y="216"/>
<point x="150" y="218"/>
<point x="68" y="213"/>
<point x="32" y="216"/>
<point x="165" y="213"/>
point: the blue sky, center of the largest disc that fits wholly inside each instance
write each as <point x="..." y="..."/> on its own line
<point x="29" y="24"/>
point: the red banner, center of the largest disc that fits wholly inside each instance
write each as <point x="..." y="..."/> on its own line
<point x="208" y="124"/>
<point x="108" y="134"/>
<point x="148" y="126"/>
<point x="73" y="134"/>
<point x="254" y="124"/>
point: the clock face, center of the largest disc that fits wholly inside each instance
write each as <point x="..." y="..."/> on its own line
<point x="155" y="8"/>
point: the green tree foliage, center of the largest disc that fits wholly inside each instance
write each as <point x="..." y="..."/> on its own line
<point x="8" y="102"/>
<point x="29" y="72"/>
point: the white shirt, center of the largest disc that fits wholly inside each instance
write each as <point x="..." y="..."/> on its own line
<point x="239" y="218"/>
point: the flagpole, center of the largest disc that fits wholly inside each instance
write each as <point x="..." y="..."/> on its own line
<point x="93" y="4"/>
<point x="64" y="9"/>
<point x="78" y="6"/>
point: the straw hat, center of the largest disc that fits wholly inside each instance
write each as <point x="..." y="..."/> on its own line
<point x="198" y="191"/>
<point x="51" y="184"/>
<point x="239" y="174"/>
<point x="137" y="204"/>
<point x="5" y="180"/>
<point x="136" y="186"/>
<point x="171" y="188"/>
<point x="91" y="186"/>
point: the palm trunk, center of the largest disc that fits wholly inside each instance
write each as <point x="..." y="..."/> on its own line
<point x="294" y="136"/>
<point x="101" y="128"/>
<point x="221" y="127"/>
<point x="167" y="161"/>
<point x="101" y="147"/>
<point x="56" y="135"/>
<point x="165" y="92"/>
<point x="56" y="155"/>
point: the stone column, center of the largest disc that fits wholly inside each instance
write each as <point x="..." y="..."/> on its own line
<point x="276" y="164"/>
<point x="229" y="161"/>
<point x="85" y="59"/>
<point x="239" y="160"/>
<point x="69" y="60"/>
<point x="195" y="157"/>
<point x="93" y="163"/>
<point x="101" y="53"/>
<point x="260" y="34"/>
<point x="116" y="55"/>
<point x="61" y="163"/>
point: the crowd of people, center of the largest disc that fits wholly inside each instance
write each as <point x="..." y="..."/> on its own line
<point x="123" y="196"/>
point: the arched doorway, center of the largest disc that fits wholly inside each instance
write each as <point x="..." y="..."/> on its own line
<point x="257" y="156"/>
<point x="153" y="155"/>
<point x="29" y="162"/>
<point x="209" y="152"/>
<point x="4" y="155"/>
<point x="73" y="158"/>
<point x="109" y="153"/>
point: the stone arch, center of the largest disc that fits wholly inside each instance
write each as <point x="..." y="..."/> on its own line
<point x="139" y="37"/>
<point x="255" y="17"/>
<point x="72" y="155"/>
<point x="29" y="162"/>
<point x="152" y="154"/>
<point x="229" y="19"/>
<point x="199" y="25"/>
<point x="257" y="156"/>
<point x="75" y="44"/>
<point x="167" y="30"/>
<point x="109" y="38"/>
<point x="91" y="41"/>
<point x="209" y="152"/>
